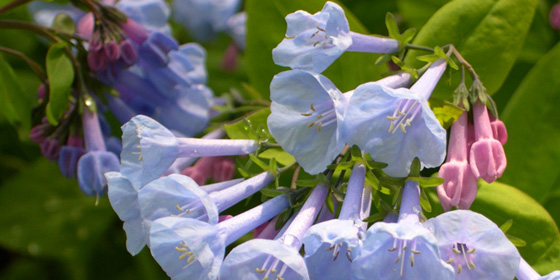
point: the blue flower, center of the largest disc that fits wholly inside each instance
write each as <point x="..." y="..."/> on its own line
<point x="68" y="160"/>
<point x="396" y="125"/>
<point x="474" y="246"/>
<point x="402" y="250"/>
<point x="149" y="149"/>
<point x="190" y="249"/>
<point x="305" y="113"/>
<point x="91" y="169"/>
<point x="237" y="29"/>
<point x="152" y="14"/>
<point x="313" y="42"/>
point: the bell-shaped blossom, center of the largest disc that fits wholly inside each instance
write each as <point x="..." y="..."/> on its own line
<point x="396" y="125"/>
<point x="97" y="161"/>
<point x="460" y="186"/>
<point x="204" y="18"/>
<point x="190" y="249"/>
<point x="331" y="246"/>
<point x="179" y="195"/>
<point x="276" y="259"/>
<point x="149" y="149"/>
<point x="487" y="157"/>
<point x="499" y="131"/>
<point x="237" y="29"/>
<point x="402" y="250"/>
<point x="306" y="113"/>
<point x="68" y="160"/>
<point x="151" y="14"/>
<point x="526" y="272"/>
<point x="475" y="246"/>
<point x="313" y="42"/>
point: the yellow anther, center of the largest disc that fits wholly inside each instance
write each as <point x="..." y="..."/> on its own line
<point x="321" y="29"/>
<point x="392" y="126"/>
<point x="407" y="122"/>
<point x="400" y="113"/>
<point x="181" y="249"/>
<point x="398" y="258"/>
<point x="139" y="147"/>
<point x="472" y="264"/>
<point x="319" y="127"/>
<point x="190" y="259"/>
<point x="311" y="124"/>
<point x="307" y="115"/>
<point x="260" y="270"/>
<point x="391" y="118"/>
<point x="290" y="38"/>
<point x="471" y="250"/>
<point x="392" y="249"/>
<point x="316" y="43"/>
<point x="456" y="251"/>
<point x="272" y="270"/>
<point x="459" y="268"/>
<point x="179" y="208"/>
<point x="319" y="116"/>
<point x="411" y="260"/>
<point x="279" y="278"/>
<point x="265" y="278"/>
<point x="311" y="107"/>
<point x="140" y="158"/>
<point x="402" y="128"/>
<point x="450" y="261"/>
<point x="415" y="252"/>
<point x="187" y="254"/>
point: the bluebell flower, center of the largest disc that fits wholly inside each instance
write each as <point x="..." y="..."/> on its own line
<point x="204" y="18"/>
<point x="313" y="42"/>
<point x="237" y="29"/>
<point x="149" y="149"/>
<point x="180" y="195"/>
<point x="68" y="160"/>
<point x="306" y="113"/>
<point x="475" y="246"/>
<point x="402" y="250"/>
<point x="280" y="258"/>
<point x="331" y="246"/>
<point x="190" y="249"/>
<point x="152" y="14"/>
<point x="526" y="272"/>
<point x="44" y="13"/>
<point x="396" y="125"/>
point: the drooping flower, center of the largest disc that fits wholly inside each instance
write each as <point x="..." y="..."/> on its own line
<point x="487" y="157"/>
<point x="149" y="149"/>
<point x="475" y="246"/>
<point x="402" y="250"/>
<point x="306" y="113"/>
<point x="331" y="246"/>
<point x="313" y="42"/>
<point x="460" y="186"/>
<point x="276" y="259"/>
<point x="396" y="125"/>
<point x="190" y="249"/>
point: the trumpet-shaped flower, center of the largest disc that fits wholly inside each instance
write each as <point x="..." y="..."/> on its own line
<point x="402" y="250"/>
<point x="313" y="42"/>
<point x="331" y="246"/>
<point x="149" y="149"/>
<point x="395" y="126"/>
<point x="474" y="246"/>
<point x="190" y="249"/>
<point x="276" y="259"/>
<point x="460" y="186"/>
<point x="487" y="156"/>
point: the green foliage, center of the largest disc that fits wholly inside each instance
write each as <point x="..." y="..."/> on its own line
<point x="64" y="23"/>
<point x="532" y="119"/>
<point x="252" y="127"/>
<point x="445" y="112"/>
<point x="61" y="77"/>
<point x="416" y="13"/>
<point x="14" y="104"/>
<point x="531" y="223"/>
<point x="488" y="33"/>
<point x="266" y="27"/>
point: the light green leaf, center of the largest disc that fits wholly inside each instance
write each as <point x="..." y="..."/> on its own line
<point x="531" y="117"/>
<point x="531" y="223"/>
<point x="266" y="27"/>
<point x="253" y="127"/>
<point x="64" y="23"/>
<point x="61" y="77"/>
<point x="13" y="102"/>
<point x="280" y="155"/>
<point x="488" y="33"/>
<point x="445" y="112"/>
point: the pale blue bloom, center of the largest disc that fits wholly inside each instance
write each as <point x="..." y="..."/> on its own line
<point x="402" y="250"/>
<point x="331" y="246"/>
<point x="396" y="125"/>
<point x="305" y="113"/>
<point x="313" y="42"/>
<point x="151" y="14"/>
<point x="475" y="246"/>
<point x="204" y="18"/>
<point x="555" y="275"/>
<point x="190" y="249"/>
<point x="237" y="29"/>
<point x="91" y="168"/>
<point x="149" y="149"/>
<point x="68" y="160"/>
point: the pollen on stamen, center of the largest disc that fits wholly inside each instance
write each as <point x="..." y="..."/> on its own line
<point x="260" y="270"/>
<point x="456" y="251"/>
<point x="402" y="128"/>
<point x="459" y="268"/>
<point x="450" y="261"/>
<point x="290" y="38"/>
<point x="179" y="208"/>
<point x="321" y="29"/>
<point x="311" y="124"/>
<point x="392" y="118"/>
<point x="307" y="115"/>
<point x="324" y="45"/>
<point x="319" y="127"/>
<point x="311" y="107"/>
<point x="471" y="250"/>
<point x="316" y="43"/>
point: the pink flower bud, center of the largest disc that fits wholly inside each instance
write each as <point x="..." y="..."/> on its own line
<point x="85" y="26"/>
<point x="201" y="171"/>
<point x="112" y="51"/>
<point x="555" y="17"/>
<point x="37" y="134"/>
<point x="97" y="61"/>
<point x="134" y="31"/>
<point x="460" y="186"/>
<point x="50" y="148"/>
<point x="498" y="130"/>
<point x="128" y="51"/>
<point x="41" y="91"/>
<point x="229" y="61"/>
<point x="223" y="169"/>
<point x="75" y="141"/>
<point x="487" y="156"/>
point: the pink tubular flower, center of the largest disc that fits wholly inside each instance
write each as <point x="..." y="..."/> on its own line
<point x="487" y="156"/>
<point x="223" y="169"/>
<point x="201" y="171"/>
<point x="460" y="187"/>
<point x="498" y="130"/>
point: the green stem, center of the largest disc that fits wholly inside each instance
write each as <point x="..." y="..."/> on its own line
<point x="12" y="5"/>
<point x="420" y="48"/>
<point x="40" y="30"/>
<point x="35" y="67"/>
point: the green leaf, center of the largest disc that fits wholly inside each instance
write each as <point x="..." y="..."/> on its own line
<point x="424" y="201"/>
<point x="531" y="117"/>
<point x="13" y="102"/>
<point x="445" y="112"/>
<point x="61" y="77"/>
<point x="280" y="155"/>
<point x="266" y="27"/>
<point x="488" y="33"/>
<point x="64" y="23"/>
<point x="416" y="13"/>
<point x="531" y="223"/>
<point x="392" y="26"/>
<point x="427" y="182"/>
<point x="251" y="127"/>
<point x="506" y="226"/>
<point x="49" y="216"/>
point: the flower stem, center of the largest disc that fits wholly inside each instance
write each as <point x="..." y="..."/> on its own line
<point x="12" y="5"/>
<point x="420" y="48"/>
<point x="36" y="68"/>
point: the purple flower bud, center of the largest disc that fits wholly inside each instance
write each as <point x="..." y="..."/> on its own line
<point x="50" y="148"/>
<point x="97" y="60"/>
<point x="134" y="31"/>
<point x="555" y="17"/>
<point x="112" y="51"/>
<point x="37" y="134"/>
<point x="68" y="160"/>
<point x="128" y="52"/>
